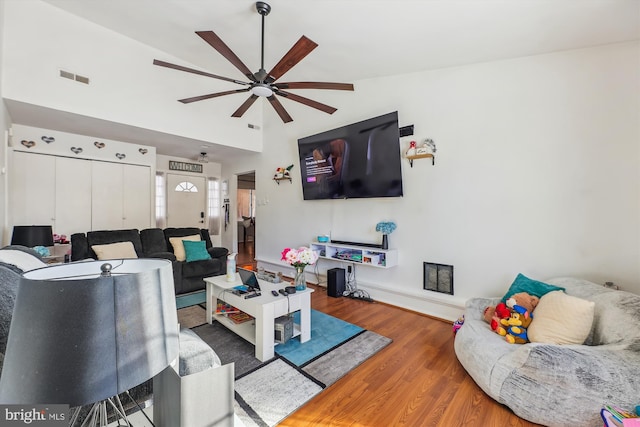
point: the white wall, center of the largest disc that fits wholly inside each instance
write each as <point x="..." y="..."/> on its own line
<point x="125" y="87"/>
<point x="537" y="171"/>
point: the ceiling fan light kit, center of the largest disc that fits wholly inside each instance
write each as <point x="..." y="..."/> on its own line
<point x="262" y="83"/>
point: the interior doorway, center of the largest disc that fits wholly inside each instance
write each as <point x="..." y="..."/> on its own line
<point x="246" y="214"/>
<point x="186" y="201"/>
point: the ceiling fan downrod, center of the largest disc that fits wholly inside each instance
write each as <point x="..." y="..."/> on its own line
<point x="263" y="9"/>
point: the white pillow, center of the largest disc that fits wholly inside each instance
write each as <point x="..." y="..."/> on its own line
<point x="561" y="319"/>
<point x="178" y="247"/>
<point x="120" y="250"/>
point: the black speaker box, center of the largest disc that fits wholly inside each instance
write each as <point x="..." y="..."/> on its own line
<point x="335" y="282"/>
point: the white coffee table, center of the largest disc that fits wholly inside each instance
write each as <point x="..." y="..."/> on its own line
<point x="264" y="309"/>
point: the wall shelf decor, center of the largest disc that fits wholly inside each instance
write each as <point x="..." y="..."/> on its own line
<point x="283" y="173"/>
<point x="373" y="257"/>
<point x="277" y="180"/>
<point x="424" y="151"/>
<point x="421" y="156"/>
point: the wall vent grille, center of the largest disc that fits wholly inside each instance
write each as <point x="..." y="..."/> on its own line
<point x="72" y="76"/>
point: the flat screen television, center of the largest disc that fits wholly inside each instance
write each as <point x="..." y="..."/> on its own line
<point x="354" y="161"/>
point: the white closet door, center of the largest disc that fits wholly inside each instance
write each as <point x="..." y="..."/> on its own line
<point x="73" y="196"/>
<point x="32" y="189"/>
<point x="106" y="196"/>
<point x="137" y="197"/>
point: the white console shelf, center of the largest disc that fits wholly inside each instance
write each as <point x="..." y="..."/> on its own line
<point x="362" y="255"/>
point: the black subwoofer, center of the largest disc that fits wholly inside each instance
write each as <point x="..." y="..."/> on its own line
<point x="335" y="282"/>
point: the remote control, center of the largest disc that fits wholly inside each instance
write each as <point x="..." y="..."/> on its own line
<point x="274" y="293"/>
<point x="257" y="294"/>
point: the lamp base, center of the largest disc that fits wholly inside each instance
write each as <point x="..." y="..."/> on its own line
<point x="99" y="417"/>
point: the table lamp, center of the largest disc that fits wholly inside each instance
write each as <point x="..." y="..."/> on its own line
<point x="32" y="235"/>
<point x="82" y="333"/>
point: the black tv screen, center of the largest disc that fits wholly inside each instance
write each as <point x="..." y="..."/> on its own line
<point x="354" y="161"/>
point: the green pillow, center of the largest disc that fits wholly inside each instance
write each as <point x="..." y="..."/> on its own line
<point x="195" y="251"/>
<point x="530" y="286"/>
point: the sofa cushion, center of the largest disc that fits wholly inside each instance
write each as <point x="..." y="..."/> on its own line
<point x="195" y="251"/>
<point x="561" y="319"/>
<point x="153" y="241"/>
<point x="201" y="269"/>
<point x="118" y="250"/>
<point x="178" y="247"/>
<point x="533" y="287"/>
<point x="104" y="237"/>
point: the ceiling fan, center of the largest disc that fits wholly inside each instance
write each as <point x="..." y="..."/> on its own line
<point x="262" y="83"/>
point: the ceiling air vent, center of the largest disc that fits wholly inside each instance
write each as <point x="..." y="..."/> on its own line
<point x="72" y="76"/>
<point x="82" y="79"/>
<point x="67" y="75"/>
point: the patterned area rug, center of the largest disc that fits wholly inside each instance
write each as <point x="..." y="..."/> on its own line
<point x="266" y="393"/>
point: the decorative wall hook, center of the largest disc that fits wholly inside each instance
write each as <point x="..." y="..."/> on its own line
<point x="283" y="173"/>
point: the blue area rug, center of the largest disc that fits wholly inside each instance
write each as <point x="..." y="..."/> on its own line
<point x="195" y="298"/>
<point x="327" y="332"/>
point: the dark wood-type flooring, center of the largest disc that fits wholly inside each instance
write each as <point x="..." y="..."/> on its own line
<point x="414" y="381"/>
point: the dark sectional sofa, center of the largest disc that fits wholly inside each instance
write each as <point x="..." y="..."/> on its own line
<point x="154" y="243"/>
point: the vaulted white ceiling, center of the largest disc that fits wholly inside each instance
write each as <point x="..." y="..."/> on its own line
<point x="358" y="39"/>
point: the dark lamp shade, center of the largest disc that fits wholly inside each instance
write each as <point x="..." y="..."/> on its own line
<point x="77" y="337"/>
<point x="32" y="235"/>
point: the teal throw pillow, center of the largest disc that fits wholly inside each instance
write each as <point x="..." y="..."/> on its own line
<point x="195" y="251"/>
<point x="530" y="286"/>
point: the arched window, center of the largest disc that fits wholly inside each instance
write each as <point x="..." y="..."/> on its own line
<point x="187" y="187"/>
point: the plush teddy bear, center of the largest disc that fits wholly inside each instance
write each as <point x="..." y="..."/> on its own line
<point x="525" y="300"/>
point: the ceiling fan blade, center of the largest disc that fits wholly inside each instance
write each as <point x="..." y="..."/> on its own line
<point x="245" y="106"/>
<point x="191" y="70"/>
<point x="306" y="101"/>
<point x="299" y="50"/>
<point x="314" y="85"/>
<point x="224" y="50"/>
<point x="280" y="109"/>
<point x="212" y="95"/>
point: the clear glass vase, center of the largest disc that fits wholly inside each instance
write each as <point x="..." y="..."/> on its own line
<point x="299" y="280"/>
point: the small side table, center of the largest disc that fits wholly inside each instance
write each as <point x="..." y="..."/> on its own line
<point x="58" y="253"/>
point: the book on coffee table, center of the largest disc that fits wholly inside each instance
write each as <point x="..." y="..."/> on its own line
<point x="224" y="308"/>
<point x="240" y="317"/>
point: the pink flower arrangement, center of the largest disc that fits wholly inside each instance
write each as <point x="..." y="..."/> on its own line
<point x="300" y="257"/>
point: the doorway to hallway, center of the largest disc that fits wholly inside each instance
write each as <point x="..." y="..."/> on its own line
<point x="246" y="214"/>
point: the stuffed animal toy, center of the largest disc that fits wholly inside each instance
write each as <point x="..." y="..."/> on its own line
<point x="523" y="299"/>
<point x="514" y="329"/>
<point x="512" y="319"/>
<point x="493" y="315"/>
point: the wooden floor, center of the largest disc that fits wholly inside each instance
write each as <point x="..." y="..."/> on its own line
<point x="246" y="255"/>
<point x="415" y="381"/>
